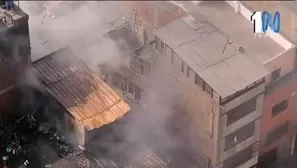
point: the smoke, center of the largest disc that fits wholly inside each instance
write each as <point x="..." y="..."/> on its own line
<point x="149" y="126"/>
<point x="79" y="25"/>
<point x="82" y="26"/>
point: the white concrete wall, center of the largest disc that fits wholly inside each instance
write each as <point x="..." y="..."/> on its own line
<point x="254" y="116"/>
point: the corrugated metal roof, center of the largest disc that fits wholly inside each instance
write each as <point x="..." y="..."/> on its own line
<point x="212" y="55"/>
<point x="91" y="101"/>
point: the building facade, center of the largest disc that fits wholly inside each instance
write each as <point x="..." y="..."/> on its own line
<point x="211" y="118"/>
<point x="278" y="128"/>
<point x="15" y="51"/>
<point x="262" y="110"/>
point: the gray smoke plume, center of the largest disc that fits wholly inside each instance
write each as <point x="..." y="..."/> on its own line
<point x="82" y="26"/>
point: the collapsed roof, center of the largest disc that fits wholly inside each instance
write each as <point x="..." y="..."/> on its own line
<point x="87" y="98"/>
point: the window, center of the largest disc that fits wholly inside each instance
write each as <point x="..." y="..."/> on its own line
<point x="280" y="107"/>
<point x="162" y="47"/>
<point x="275" y="74"/>
<point x="124" y="85"/>
<point x="277" y="133"/>
<point x="188" y="71"/>
<point x="241" y="111"/>
<point x="141" y="67"/>
<point x="198" y="81"/>
<point x="240" y="135"/>
<point x="137" y="93"/>
<point x="156" y="43"/>
<point x="172" y="57"/>
<point x="207" y="88"/>
<point x="131" y="88"/>
<point x="240" y="158"/>
<point x="145" y="37"/>
<point x="182" y="66"/>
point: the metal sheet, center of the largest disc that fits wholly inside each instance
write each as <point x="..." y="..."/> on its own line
<point x="91" y="101"/>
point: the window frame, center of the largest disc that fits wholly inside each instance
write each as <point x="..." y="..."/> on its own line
<point x="274" y="109"/>
<point x="188" y="71"/>
<point x="172" y="57"/>
<point x="275" y="74"/>
<point x="182" y="66"/>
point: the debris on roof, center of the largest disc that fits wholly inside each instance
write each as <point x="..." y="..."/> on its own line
<point x="88" y="99"/>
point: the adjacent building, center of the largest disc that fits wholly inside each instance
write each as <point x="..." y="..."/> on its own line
<point x="238" y="88"/>
<point x="223" y="98"/>
<point x="14" y="49"/>
<point x="278" y="128"/>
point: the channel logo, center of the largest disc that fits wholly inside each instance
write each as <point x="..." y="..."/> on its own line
<point x="264" y="20"/>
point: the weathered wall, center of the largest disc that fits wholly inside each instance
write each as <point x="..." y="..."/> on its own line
<point x="198" y="107"/>
<point x="155" y="14"/>
<point x="284" y="88"/>
<point x="286" y="61"/>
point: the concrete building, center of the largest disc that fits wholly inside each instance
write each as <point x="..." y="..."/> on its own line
<point x="278" y="128"/>
<point x="217" y="89"/>
<point x="14" y="52"/>
<point x="213" y="111"/>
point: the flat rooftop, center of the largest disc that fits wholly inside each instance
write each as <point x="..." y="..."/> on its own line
<point x="238" y="28"/>
<point x="214" y="56"/>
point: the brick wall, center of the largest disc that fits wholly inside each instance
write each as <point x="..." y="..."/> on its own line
<point x="197" y="108"/>
<point x="288" y="18"/>
<point x="155" y="14"/>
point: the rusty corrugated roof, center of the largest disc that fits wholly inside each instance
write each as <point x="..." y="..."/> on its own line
<point x="90" y="100"/>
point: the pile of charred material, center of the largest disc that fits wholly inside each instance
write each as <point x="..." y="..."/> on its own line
<point x="17" y="135"/>
<point x="23" y="128"/>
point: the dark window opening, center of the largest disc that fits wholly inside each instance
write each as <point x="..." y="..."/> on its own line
<point x="145" y="37"/>
<point x="275" y="74"/>
<point x="241" y="111"/>
<point x="182" y="66"/>
<point x="172" y="57"/>
<point x="141" y="67"/>
<point x="131" y="88"/>
<point x="207" y="88"/>
<point x="240" y="158"/>
<point x="123" y="85"/>
<point x="277" y="133"/>
<point x="240" y="135"/>
<point x="137" y="93"/>
<point x="157" y="42"/>
<point x="280" y="107"/>
<point x="188" y="71"/>
<point x="198" y="80"/>
<point x="162" y="46"/>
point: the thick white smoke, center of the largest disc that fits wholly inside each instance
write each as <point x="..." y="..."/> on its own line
<point x="82" y="25"/>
